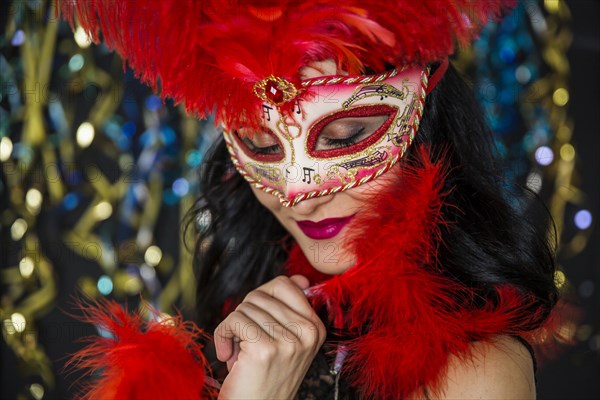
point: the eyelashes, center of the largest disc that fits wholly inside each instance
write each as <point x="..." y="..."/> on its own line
<point x="344" y="142"/>
<point x="274" y="149"/>
<point x="335" y="143"/>
<point x="265" y="146"/>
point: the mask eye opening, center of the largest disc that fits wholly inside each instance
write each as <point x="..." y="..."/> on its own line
<point x="359" y="111"/>
<point x="255" y="153"/>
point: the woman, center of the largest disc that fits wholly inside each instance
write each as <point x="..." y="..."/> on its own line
<point x="482" y="248"/>
<point x="373" y="185"/>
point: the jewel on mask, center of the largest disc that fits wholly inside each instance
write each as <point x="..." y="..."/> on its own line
<point x="274" y="90"/>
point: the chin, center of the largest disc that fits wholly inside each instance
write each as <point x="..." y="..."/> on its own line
<point x="330" y="269"/>
<point x="327" y="257"/>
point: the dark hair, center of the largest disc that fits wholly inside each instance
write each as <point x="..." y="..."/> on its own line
<point x="494" y="237"/>
<point x="242" y="247"/>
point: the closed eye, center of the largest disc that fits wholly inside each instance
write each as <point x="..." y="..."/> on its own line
<point x="262" y="145"/>
<point x="349" y="131"/>
<point x="344" y="142"/>
<point x="273" y="149"/>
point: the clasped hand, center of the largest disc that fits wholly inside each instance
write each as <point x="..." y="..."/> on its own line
<point x="269" y="341"/>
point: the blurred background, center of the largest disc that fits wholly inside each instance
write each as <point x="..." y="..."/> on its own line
<point x="97" y="175"/>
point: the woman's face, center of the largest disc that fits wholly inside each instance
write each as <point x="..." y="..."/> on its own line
<point x="327" y="255"/>
<point x="319" y="224"/>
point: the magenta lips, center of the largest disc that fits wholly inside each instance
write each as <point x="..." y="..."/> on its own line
<point x="325" y="229"/>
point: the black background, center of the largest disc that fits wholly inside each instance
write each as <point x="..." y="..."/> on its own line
<point x="576" y="373"/>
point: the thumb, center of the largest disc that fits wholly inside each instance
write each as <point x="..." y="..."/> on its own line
<point x="300" y="281"/>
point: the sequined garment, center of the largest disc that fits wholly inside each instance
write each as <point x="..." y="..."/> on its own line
<point x="320" y="382"/>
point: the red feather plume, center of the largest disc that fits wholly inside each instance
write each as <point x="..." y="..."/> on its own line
<point x="141" y="360"/>
<point x="416" y="317"/>
<point x="209" y="54"/>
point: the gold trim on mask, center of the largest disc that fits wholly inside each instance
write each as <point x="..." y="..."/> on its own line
<point x="382" y="90"/>
<point x="377" y="154"/>
<point x="351" y="80"/>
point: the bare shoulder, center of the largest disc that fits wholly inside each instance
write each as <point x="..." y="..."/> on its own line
<point x="498" y="369"/>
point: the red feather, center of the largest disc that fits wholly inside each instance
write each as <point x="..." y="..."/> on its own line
<point x="141" y="360"/>
<point x="416" y="317"/>
<point x="209" y="54"/>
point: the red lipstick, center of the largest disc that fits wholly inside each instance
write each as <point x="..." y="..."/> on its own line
<point x="324" y="229"/>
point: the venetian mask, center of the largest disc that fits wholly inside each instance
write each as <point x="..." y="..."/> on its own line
<point x="341" y="132"/>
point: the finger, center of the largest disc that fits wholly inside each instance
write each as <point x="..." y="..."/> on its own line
<point x="300" y="281"/>
<point x="278" y="311"/>
<point x="236" y="352"/>
<point x="289" y="325"/>
<point x="229" y="330"/>
<point x="285" y="290"/>
<point x="274" y="321"/>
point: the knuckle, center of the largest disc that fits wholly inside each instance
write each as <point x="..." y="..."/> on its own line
<point x="281" y="282"/>
<point x="251" y="332"/>
<point x="321" y="328"/>
<point x="265" y="353"/>
<point x="286" y="342"/>
<point x="316" y="331"/>
<point x="250" y="296"/>
<point x="244" y="306"/>
<point x="289" y="349"/>
<point x="304" y="332"/>
<point x="223" y="328"/>
<point x="254" y="296"/>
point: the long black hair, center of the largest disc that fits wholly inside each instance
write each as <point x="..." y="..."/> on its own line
<point x="495" y="237"/>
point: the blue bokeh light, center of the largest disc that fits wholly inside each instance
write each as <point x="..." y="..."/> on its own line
<point x="181" y="187"/>
<point x="583" y="219"/>
<point x="105" y="285"/>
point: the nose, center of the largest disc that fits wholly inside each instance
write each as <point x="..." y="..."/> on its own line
<point x="309" y="205"/>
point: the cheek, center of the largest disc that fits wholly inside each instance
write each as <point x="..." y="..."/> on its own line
<point x="268" y="201"/>
<point x="363" y="195"/>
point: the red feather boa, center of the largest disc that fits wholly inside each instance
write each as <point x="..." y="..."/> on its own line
<point x="416" y="317"/>
<point x="141" y="360"/>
